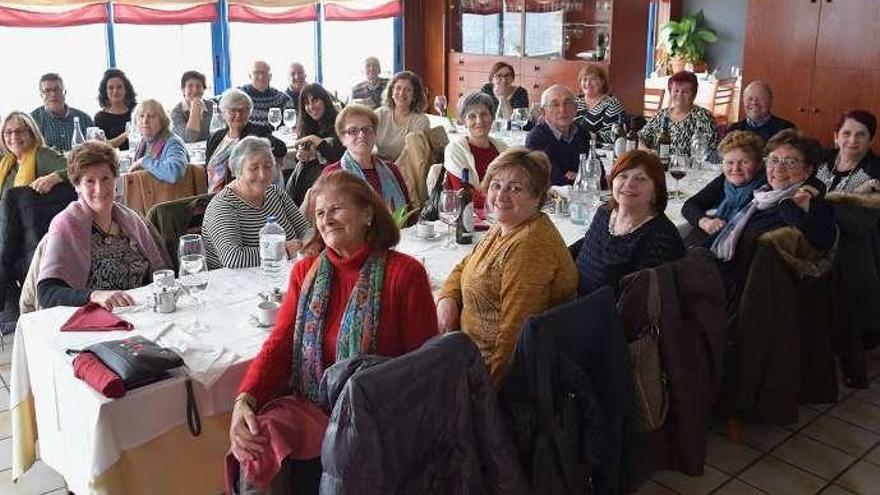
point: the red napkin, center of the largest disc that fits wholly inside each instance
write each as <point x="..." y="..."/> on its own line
<point x="94" y="318"/>
<point x="93" y="371"/>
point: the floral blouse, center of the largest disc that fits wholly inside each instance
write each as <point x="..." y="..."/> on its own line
<point x="697" y="120"/>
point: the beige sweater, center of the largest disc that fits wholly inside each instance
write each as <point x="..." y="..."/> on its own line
<point x="390" y="136"/>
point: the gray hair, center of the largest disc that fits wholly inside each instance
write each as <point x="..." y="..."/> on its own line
<point x="561" y="88"/>
<point x="474" y="99"/>
<point x="246" y="148"/>
<point x="234" y="97"/>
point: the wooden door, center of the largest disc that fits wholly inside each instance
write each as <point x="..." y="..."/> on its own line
<point x="780" y="49"/>
<point x="837" y="91"/>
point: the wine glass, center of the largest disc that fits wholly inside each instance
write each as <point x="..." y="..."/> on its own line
<point x="440" y="104"/>
<point x="519" y="118"/>
<point x="289" y="119"/>
<point x="193" y="274"/>
<point x="134" y="135"/>
<point x="678" y="169"/>
<point x="274" y="117"/>
<point x="449" y="208"/>
<point x="217" y="121"/>
<point x="699" y="149"/>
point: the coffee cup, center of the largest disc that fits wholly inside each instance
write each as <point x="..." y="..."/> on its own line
<point x="424" y="229"/>
<point x="267" y="311"/>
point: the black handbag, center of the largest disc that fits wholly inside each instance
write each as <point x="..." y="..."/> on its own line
<point x="137" y="360"/>
<point x="431" y="208"/>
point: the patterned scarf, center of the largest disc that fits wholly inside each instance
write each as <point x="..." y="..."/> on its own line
<point x="155" y="147"/>
<point x="27" y="168"/>
<point x="391" y="191"/>
<point x="218" y="164"/>
<point x="358" y="331"/>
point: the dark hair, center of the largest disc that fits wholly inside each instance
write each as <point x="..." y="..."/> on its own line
<point x="91" y="154"/>
<point x="130" y="95"/>
<point x="306" y="125"/>
<point x="420" y="100"/>
<point x="808" y="147"/>
<point x="535" y="164"/>
<point x="193" y="74"/>
<point x="683" y="77"/>
<point x="863" y="117"/>
<point x="382" y="233"/>
<point x="597" y="71"/>
<point x="501" y="65"/>
<point x="652" y="166"/>
<point x="51" y="76"/>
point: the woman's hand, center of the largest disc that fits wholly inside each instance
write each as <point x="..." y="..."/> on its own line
<point x="711" y="225"/>
<point x="802" y="198"/>
<point x="244" y="433"/>
<point x="138" y="165"/>
<point x="447" y="315"/>
<point x="293" y="248"/>
<point x="45" y="183"/>
<point x="118" y="140"/>
<point x="110" y="299"/>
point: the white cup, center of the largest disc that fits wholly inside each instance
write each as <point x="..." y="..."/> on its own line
<point x="424" y="229"/>
<point x="267" y="311"/>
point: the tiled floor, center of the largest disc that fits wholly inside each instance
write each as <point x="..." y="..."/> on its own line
<point x="833" y="450"/>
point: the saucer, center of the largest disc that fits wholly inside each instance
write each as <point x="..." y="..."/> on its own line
<point x="433" y="237"/>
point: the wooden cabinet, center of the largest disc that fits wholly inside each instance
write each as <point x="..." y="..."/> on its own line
<point x="821" y="57"/>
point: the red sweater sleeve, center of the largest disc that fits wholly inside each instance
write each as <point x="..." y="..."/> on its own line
<point x="415" y="314"/>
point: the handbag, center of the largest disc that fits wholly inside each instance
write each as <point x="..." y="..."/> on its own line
<point x="651" y="389"/>
<point x="138" y="361"/>
<point x="431" y="208"/>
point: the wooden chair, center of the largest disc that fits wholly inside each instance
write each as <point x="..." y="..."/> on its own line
<point x="653" y="101"/>
<point x="142" y="190"/>
<point x="721" y="101"/>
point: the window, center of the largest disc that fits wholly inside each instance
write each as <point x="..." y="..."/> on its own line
<point x="155" y="66"/>
<point x="544" y="33"/>
<point x="277" y="44"/>
<point x="345" y="45"/>
<point x="481" y="33"/>
<point x="77" y="53"/>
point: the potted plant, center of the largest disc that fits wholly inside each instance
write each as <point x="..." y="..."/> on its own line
<point x="685" y="41"/>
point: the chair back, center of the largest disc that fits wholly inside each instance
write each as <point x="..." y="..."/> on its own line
<point x="420" y="151"/>
<point x="721" y="101"/>
<point x="142" y="190"/>
<point x="28" y="301"/>
<point x="653" y="101"/>
<point x="172" y="219"/>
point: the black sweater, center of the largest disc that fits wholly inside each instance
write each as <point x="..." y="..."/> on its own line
<point x="766" y="131"/>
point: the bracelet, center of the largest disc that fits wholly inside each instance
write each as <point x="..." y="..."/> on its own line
<point x="248" y="400"/>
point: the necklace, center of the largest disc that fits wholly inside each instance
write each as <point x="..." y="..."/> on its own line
<point x="106" y="235"/>
<point x="613" y="219"/>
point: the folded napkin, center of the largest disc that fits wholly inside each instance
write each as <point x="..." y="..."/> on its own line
<point x="94" y="318"/>
<point x="97" y="375"/>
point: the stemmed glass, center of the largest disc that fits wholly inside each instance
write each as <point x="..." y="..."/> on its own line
<point x="699" y="149"/>
<point x="289" y="119"/>
<point x="134" y="136"/>
<point x="449" y="208"/>
<point x="440" y="105"/>
<point x="193" y="273"/>
<point x="519" y="118"/>
<point x="274" y="118"/>
<point x="678" y="169"/>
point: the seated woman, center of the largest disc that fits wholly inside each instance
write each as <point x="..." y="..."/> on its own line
<point x="25" y="159"/>
<point x="631" y="232"/>
<point x="685" y="119"/>
<point x="329" y="312"/>
<point x="160" y="152"/>
<point x="400" y="114"/>
<point x="191" y="118"/>
<point x="117" y="98"/>
<point x="318" y="143"/>
<point x="236" y="214"/>
<point x="96" y="248"/>
<point x="356" y="125"/>
<point x="491" y="291"/>
<point x="785" y="200"/>
<point x="503" y="91"/>
<point x="730" y="192"/>
<point x="852" y="166"/>
<point x="474" y="151"/>
<point x="235" y="107"/>
<point x="597" y="109"/>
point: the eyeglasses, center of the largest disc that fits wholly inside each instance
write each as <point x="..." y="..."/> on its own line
<point x="238" y="111"/>
<point x="51" y="91"/>
<point x="16" y="132"/>
<point x="786" y="163"/>
<point x="354" y="131"/>
<point x="506" y="75"/>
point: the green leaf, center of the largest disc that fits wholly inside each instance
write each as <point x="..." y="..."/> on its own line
<point x="707" y="36"/>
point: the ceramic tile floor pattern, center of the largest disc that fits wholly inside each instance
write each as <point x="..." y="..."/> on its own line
<point x="834" y="449"/>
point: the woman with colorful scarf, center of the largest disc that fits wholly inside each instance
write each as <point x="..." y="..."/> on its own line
<point x="358" y="296"/>
<point x="159" y="151"/>
<point x="356" y="125"/>
<point x="26" y="160"/>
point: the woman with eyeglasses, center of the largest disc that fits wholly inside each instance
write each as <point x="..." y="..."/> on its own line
<point x="356" y="125"/>
<point x="26" y="160"/>
<point x="494" y="289"/>
<point x="400" y="114"/>
<point x="503" y="91"/>
<point x="597" y="109"/>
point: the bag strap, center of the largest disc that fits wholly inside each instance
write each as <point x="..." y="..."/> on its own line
<point x="193" y="420"/>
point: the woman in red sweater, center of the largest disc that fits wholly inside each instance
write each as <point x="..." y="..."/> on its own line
<point x="357" y="296"/>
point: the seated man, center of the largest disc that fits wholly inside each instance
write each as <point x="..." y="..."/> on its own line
<point x="758" y="100"/>
<point x="369" y="92"/>
<point x="297" y="83"/>
<point x="558" y="135"/>
<point x="55" y="118"/>
<point x="263" y="96"/>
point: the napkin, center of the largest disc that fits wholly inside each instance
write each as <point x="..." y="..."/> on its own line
<point x="94" y="318"/>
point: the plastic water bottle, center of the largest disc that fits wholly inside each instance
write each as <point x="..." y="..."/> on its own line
<point x="78" y="138"/>
<point x="273" y="254"/>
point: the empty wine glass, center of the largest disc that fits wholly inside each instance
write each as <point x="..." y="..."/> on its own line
<point x="134" y="135"/>
<point x="699" y="149"/>
<point x="217" y="121"/>
<point x="275" y="117"/>
<point x="449" y="208"/>
<point x="193" y="274"/>
<point x="289" y="119"/>
<point x="519" y="118"/>
<point x="440" y="105"/>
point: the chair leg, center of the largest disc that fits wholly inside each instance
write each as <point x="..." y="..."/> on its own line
<point x="734" y="431"/>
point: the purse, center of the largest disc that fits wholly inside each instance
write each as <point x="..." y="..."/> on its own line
<point x="431" y="208"/>
<point x="136" y="360"/>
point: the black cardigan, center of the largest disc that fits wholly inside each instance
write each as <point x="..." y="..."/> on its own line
<point x="279" y="149"/>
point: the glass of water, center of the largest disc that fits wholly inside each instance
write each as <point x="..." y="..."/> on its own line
<point x="193" y="274"/>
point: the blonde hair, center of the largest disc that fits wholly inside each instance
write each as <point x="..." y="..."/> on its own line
<point x="535" y="164"/>
<point x="354" y="110"/>
<point x="747" y="141"/>
<point x="23" y="118"/>
<point x="155" y="106"/>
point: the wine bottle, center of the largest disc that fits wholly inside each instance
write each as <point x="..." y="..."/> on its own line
<point x="619" y="129"/>
<point x="464" y="225"/>
<point x="77" y="139"/>
<point x="664" y="144"/>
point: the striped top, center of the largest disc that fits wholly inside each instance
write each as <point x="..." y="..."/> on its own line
<point x="600" y="117"/>
<point x="231" y="229"/>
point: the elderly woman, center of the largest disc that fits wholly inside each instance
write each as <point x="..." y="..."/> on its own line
<point x="191" y="118"/>
<point x="358" y="296"/>
<point x="503" y="91"/>
<point x="26" y="160"/>
<point x="318" y="143"/>
<point x="356" y="124"/>
<point x="852" y="166"/>
<point x="477" y="149"/>
<point x="491" y="291"/>
<point x="160" y="152"/>
<point x="716" y="204"/>
<point x="400" y="114"/>
<point x="630" y="232"/>
<point x="235" y="107"/>
<point x="597" y="110"/>
<point x="96" y="248"/>
<point x="236" y="214"/>
<point x="117" y="98"/>
<point x="684" y="118"/>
